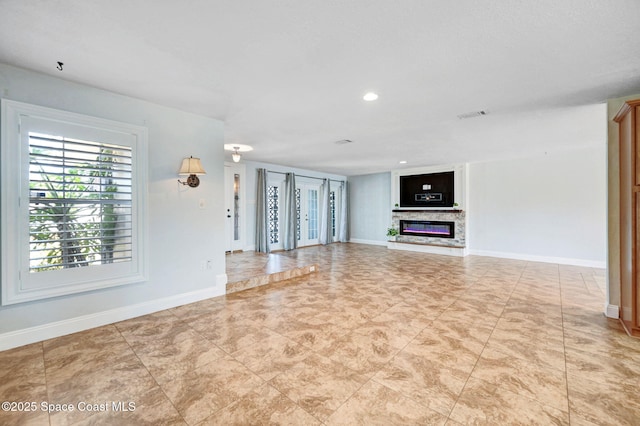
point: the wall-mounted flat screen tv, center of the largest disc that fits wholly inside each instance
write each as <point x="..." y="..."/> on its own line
<point x="427" y="190"/>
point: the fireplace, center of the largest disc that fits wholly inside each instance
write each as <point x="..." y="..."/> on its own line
<point x="428" y="228"/>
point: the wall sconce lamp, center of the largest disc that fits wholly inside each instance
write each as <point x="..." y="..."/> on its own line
<point x="236" y="149"/>
<point x="191" y="167"/>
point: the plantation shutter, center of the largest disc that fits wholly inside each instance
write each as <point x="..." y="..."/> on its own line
<point x="80" y="203"/>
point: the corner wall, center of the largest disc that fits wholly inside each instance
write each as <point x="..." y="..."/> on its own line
<point x="180" y="234"/>
<point x="370" y="208"/>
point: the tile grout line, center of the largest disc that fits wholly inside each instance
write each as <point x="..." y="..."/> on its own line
<point x="485" y="344"/>
<point x="149" y="372"/>
<point x="564" y="346"/>
<point x="46" y="381"/>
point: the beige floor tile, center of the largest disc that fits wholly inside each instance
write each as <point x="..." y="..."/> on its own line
<point x="319" y="385"/>
<point x="604" y="403"/>
<point x="375" y="404"/>
<point x="125" y="379"/>
<point x="201" y="392"/>
<point x="272" y="356"/>
<point x="175" y="355"/>
<point x="150" y="408"/>
<point x="314" y="335"/>
<point x="539" y="349"/>
<point x="588" y="320"/>
<point x="611" y="368"/>
<point x="409" y="314"/>
<point x="482" y="403"/>
<point x="464" y="327"/>
<point x="88" y="349"/>
<point x="427" y="382"/>
<point x="540" y="382"/>
<point x="447" y="351"/>
<point x="364" y="354"/>
<point x="22" y="379"/>
<point x="611" y="342"/>
<point x="263" y="405"/>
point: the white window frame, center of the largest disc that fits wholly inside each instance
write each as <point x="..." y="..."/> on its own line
<point x="18" y="284"/>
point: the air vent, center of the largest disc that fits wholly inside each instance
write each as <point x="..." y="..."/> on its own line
<point x="343" y="142"/>
<point x="472" y="114"/>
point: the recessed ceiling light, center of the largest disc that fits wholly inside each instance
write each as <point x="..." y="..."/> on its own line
<point x="370" y="96"/>
<point x="403" y="162"/>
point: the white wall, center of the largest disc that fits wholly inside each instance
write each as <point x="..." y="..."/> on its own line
<point x="181" y="235"/>
<point x="550" y="208"/>
<point x="370" y="205"/>
<point x="250" y="221"/>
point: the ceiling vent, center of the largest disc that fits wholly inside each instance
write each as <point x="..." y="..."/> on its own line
<point x="343" y="141"/>
<point x="472" y="114"/>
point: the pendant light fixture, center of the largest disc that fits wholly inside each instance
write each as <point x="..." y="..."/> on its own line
<point x="236" y="149"/>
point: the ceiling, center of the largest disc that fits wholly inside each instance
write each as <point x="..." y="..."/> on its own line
<point x="287" y="76"/>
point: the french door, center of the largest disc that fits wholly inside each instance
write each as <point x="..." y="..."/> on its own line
<point x="308" y="208"/>
<point x="307" y="213"/>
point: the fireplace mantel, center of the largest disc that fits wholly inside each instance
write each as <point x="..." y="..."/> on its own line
<point x="427" y="210"/>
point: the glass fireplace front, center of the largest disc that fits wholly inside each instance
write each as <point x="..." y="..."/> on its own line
<point x="428" y="228"/>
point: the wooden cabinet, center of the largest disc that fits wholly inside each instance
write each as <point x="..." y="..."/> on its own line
<point x="628" y="119"/>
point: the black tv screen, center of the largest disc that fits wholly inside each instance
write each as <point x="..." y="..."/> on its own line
<point x="428" y="190"/>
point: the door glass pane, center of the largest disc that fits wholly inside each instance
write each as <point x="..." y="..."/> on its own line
<point x="236" y="207"/>
<point x="298" y="233"/>
<point x="332" y="208"/>
<point x="272" y="195"/>
<point x="313" y="213"/>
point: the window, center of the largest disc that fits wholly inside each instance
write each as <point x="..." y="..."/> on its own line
<point x="76" y="187"/>
<point x="273" y="205"/>
<point x="332" y="209"/>
<point x="79" y="203"/>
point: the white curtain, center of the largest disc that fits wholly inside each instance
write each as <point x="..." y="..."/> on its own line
<point x="343" y="229"/>
<point x="324" y="233"/>
<point x="262" y="212"/>
<point x="289" y="218"/>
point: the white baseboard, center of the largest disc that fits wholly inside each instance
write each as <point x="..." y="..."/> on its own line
<point x="370" y="242"/>
<point x="546" y="259"/>
<point x="13" y="339"/>
<point x="612" y="311"/>
<point x="448" y="251"/>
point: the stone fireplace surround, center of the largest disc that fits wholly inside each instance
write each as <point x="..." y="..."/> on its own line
<point x="451" y="246"/>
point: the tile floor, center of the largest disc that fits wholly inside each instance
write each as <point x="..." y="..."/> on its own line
<point x="375" y="337"/>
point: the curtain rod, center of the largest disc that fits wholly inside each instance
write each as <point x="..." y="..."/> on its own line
<point x="309" y="177"/>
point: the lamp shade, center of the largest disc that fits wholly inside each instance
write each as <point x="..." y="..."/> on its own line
<point x="191" y="166"/>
